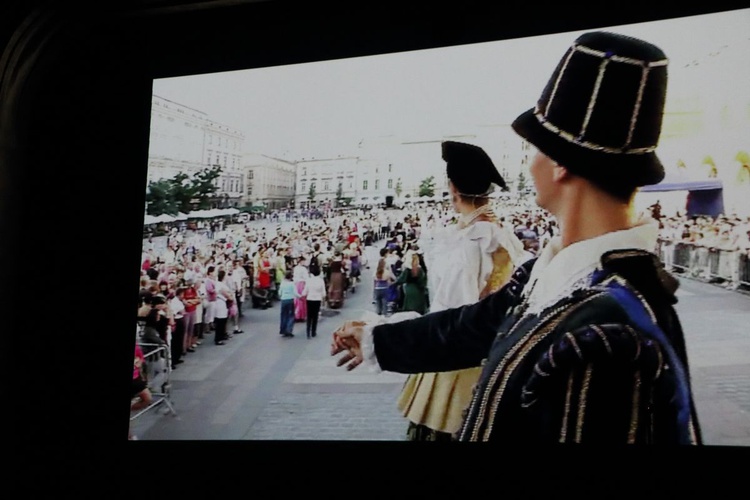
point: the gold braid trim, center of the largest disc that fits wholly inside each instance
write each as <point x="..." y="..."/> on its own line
<point x="635" y="408"/>
<point x="582" y="399"/>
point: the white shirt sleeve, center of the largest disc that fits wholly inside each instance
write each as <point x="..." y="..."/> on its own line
<point x="368" y="346"/>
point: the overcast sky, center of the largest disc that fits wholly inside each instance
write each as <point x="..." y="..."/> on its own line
<point x="319" y="109"/>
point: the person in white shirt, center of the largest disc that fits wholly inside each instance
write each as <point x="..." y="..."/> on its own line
<point x="314" y="292"/>
<point x="177" y="338"/>
<point x="240" y="281"/>
<point x="221" y="308"/>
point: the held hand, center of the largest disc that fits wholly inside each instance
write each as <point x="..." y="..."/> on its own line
<point x="348" y="338"/>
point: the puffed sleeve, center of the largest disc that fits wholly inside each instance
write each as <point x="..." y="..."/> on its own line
<point x="447" y="340"/>
<point x="459" y="281"/>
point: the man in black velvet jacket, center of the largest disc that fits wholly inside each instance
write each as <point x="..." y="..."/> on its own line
<point x="583" y="344"/>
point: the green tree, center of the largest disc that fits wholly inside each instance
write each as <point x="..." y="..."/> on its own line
<point x="180" y="193"/>
<point x="399" y="189"/>
<point x="159" y="198"/>
<point x="311" y="192"/>
<point x="712" y="170"/>
<point x="339" y="194"/>
<point x="521" y="183"/>
<point x="202" y="184"/>
<point x="743" y="175"/>
<point x="427" y="186"/>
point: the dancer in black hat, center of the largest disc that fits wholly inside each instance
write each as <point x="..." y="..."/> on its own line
<point x="583" y="345"/>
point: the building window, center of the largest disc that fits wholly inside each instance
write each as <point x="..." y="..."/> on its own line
<point x="364" y="185"/>
<point x="389" y="169"/>
<point x="302" y="186"/>
<point x="390" y="181"/>
<point x="377" y="183"/>
<point x="325" y="186"/>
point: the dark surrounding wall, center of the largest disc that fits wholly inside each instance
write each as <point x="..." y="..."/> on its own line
<point x="76" y="88"/>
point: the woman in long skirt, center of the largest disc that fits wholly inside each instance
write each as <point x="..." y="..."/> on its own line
<point x="301" y="275"/>
<point x="338" y="283"/>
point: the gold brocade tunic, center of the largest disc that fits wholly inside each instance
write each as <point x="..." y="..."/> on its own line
<point x="438" y="400"/>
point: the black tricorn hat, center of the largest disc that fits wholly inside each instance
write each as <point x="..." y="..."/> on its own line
<point x="470" y="169"/>
<point x="601" y="112"/>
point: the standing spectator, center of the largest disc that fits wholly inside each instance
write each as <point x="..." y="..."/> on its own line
<point x="191" y="300"/>
<point x="279" y="270"/>
<point x="198" y="331"/>
<point x="158" y="317"/>
<point x="264" y="274"/>
<point x="209" y="305"/>
<point x="382" y="281"/>
<point x="300" y="276"/>
<point x="414" y="281"/>
<point x="140" y="394"/>
<point x="240" y="277"/>
<point x="729" y="257"/>
<point x="235" y="286"/>
<point x="177" y="342"/>
<point x="337" y="282"/>
<point x="221" y="311"/>
<point x="668" y="238"/>
<point x="314" y="292"/>
<point x="287" y="293"/>
<point x="354" y="255"/>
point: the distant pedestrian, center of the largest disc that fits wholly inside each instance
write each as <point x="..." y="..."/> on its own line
<point x="314" y="292"/>
<point x="287" y="294"/>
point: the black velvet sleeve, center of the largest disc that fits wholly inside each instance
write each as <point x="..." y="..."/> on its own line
<point x="448" y="340"/>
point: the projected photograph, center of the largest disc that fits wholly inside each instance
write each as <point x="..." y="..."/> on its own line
<point x="283" y="202"/>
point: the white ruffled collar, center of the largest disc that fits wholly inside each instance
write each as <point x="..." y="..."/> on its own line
<point x="558" y="269"/>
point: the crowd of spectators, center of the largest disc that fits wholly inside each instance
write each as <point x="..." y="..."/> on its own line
<point x="198" y="284"/>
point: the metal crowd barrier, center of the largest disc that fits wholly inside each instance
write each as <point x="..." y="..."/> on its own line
<point x="709" y="264"/>
<point x="158" y="368"/>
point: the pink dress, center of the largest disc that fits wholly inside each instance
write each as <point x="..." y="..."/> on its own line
<point x="300" y="304"/>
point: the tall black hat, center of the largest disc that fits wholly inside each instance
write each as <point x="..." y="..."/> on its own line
<point x="601" y="112"/>
<point x="470" y="169"/>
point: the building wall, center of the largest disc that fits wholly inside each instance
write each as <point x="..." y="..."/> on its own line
<point x="326" y="175"/>
<point x="183" y="139"/>
<point x="270" y="182"/>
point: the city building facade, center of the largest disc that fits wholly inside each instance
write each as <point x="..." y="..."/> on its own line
<point x="270" y="182"/>
<point x="185" y="140"/>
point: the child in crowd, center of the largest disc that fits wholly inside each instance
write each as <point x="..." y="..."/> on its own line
<point x="287" y="294"/>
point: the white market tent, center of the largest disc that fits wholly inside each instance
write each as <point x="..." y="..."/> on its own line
<point x="158" y="219"/>
<point x="213" y="212"/>
<point x="196" y="214"/>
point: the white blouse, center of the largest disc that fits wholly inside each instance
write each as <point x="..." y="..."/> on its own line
<point x="459" y="261"/>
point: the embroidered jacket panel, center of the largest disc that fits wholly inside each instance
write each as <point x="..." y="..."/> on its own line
<point x="580" y="371"/>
